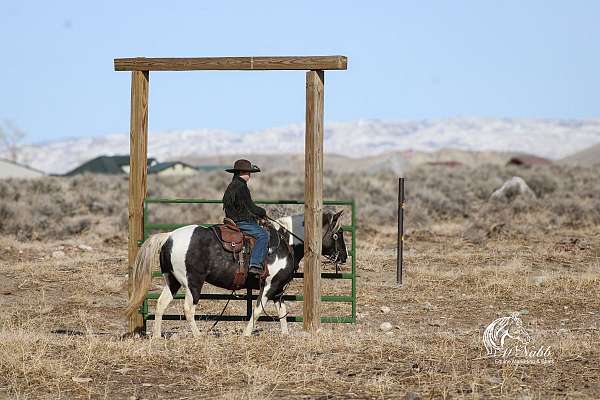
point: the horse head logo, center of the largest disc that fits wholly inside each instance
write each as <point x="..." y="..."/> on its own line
<point x="505" y="327"/>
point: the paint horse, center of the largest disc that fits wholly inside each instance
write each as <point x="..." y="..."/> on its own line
<point x="192" y="255"/>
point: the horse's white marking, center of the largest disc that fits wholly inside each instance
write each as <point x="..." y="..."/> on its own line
<point x="282" y="314"/>
<point x="275" y="267"/>
<point x="256" y="311"/>
<point x="161" y="305"/>
<point x="181" y="241"/>
<point x="262" y="300"/>
<point x="294" y="224"/>
<point x="189" y="309"/>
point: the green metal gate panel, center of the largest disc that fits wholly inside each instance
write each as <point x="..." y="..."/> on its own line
<point x="249" y="297"/>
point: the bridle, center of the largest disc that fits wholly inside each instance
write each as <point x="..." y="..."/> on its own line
<point x="335" y="257"/>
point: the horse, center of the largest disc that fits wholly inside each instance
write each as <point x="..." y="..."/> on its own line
<point x="505" y="327"/>
<point x="192" y="255"/>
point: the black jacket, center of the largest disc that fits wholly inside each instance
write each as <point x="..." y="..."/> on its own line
<point x="238" y="204"/>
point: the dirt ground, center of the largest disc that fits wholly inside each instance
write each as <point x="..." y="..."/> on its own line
<point x="61" y="328"/>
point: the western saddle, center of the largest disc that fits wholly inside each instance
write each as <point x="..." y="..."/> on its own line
<point x="240" y="245"/>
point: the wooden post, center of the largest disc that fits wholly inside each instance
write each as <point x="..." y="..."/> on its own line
<point x="313" y="200"/>
<point x="138" y="150"/>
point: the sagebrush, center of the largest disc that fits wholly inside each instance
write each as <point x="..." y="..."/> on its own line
<point x="65" y="206"/>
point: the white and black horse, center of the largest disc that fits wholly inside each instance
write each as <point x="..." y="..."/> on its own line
<point x="192" y="255"/>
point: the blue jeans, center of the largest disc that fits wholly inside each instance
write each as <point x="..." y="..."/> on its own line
<point x="259" y="252"/>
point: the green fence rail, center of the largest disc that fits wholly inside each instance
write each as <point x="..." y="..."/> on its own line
<point x="249" y="297"/>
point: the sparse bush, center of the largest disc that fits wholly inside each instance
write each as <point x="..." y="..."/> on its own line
<point x="60" y="207"/>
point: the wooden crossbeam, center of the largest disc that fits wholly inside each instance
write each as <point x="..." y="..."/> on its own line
<point x="231" y="63"/>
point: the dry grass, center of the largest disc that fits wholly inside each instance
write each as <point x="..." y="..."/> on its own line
<point x="435" y="351"/>
<point x="454" y="287"/>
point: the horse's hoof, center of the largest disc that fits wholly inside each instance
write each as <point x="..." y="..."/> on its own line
<point x="255" y="332"/>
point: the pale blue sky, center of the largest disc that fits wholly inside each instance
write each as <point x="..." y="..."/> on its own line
<point x="407" y="60"/>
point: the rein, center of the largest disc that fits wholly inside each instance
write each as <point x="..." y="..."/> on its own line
<point x="285" y="229"/>
<point x="233" y="294"/>
<point x="293" y="234"/>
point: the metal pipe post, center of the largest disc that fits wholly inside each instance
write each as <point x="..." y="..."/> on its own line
<point x="399" y="251"/>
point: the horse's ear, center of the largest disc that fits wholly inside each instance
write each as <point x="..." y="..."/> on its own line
<point x="336" y="220"/>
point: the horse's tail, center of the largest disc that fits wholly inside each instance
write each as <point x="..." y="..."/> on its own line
<point x="147" y="259"/>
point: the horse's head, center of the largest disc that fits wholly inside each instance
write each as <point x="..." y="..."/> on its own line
<point x="334" y="247"/>
<point x="516" y="330"/>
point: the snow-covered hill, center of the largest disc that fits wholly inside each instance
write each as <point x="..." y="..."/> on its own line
<point x="543" y="137"/>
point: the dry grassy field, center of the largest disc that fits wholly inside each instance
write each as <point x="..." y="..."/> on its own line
<point x="468" y="262"/>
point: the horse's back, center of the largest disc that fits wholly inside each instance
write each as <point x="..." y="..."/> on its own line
<point x="179" y="243"/>
<point x="183" y="233"/>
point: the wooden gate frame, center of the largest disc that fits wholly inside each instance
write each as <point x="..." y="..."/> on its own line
<point x="313" y="153"/>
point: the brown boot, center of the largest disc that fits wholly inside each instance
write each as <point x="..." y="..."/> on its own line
<point x="265" y="273"/>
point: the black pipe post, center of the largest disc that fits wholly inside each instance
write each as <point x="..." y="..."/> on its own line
<point x="399" y="250"/>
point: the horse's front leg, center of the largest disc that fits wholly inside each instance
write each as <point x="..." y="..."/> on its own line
<point x="261" y="303"/>
<point x="282" y="315"/>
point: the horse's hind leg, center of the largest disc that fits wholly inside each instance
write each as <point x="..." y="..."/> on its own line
<point x="282" y="315"/>
<point x="161" y="305"/>
<point x="189" y="309"/>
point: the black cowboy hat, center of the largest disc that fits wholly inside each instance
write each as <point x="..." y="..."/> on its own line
<point x="243" y="166"/>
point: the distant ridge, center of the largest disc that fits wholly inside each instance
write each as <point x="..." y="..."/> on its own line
<point x="587" y="157"/>
<point x="548" y="138"/>
<point x="396" y="161"/>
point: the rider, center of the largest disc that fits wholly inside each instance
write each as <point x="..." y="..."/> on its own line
<point x="238" y="205"/>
